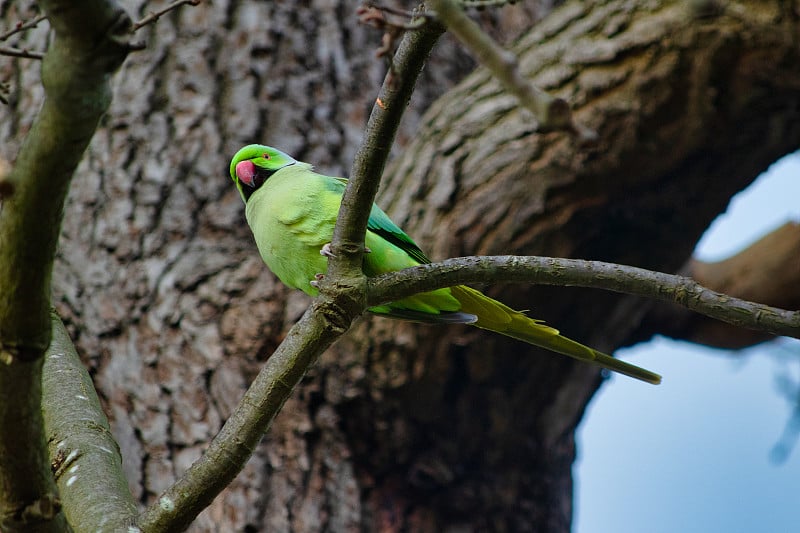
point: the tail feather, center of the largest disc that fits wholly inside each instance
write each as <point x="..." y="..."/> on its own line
<point x="496" y="316"/>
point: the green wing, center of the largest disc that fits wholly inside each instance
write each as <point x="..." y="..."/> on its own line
<point x="380" y="224"/>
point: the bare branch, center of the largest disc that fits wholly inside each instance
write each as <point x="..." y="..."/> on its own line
<point x="22" y="26"/>
<point x="481" y="4"/>
<point x="28" y="54"/>
<point x="348" y="235"/>
<point x="20" y="52"/>
<point x="551" y="113"/>
<point x="767" y="271"/>
<point x="155" y="15"/>
<point x="373" y="15"/>
<point x="85" y="457"/>
<point x="596" y="274"/>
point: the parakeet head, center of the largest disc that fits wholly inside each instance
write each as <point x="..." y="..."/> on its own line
<point x="254" y="164"/>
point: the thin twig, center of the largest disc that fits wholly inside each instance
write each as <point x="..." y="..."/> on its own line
<point x="20" y="52"/>
<point x="22" y="26"/>
<point x="155" y="15"/>
<point x="374" y="15"/>
<point x="572" y="272"/>
<point x="482" y="4"/>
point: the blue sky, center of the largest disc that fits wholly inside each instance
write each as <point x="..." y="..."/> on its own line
<point x="695" y="453"/>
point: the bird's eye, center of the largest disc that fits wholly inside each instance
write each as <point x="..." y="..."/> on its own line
<point x="265" y="156"/>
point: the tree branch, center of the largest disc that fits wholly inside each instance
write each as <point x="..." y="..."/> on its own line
<point x="767" y="271"/>
<point x="20" y="52"/>
<point x="75" y="76"/>
<point x="595" y="274"/>
<point x="90" y="45"/>
<point x="153" y="16"/>
<point x="370" y="160"/>
<point x="551" y="113"/>
<point x="86" y="460"/>
<point x="22" y="26"/>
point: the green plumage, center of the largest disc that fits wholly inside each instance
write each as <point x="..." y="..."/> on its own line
<point x="292" y="211"/>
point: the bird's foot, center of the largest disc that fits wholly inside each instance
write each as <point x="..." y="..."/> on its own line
<point x="315" y="282"/>
<point x="326" y="250"/>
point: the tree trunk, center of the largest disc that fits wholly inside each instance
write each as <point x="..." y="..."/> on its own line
<point x="400" y="426"/>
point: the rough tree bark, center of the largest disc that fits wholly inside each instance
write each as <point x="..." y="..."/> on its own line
<point x="400" y="426"/>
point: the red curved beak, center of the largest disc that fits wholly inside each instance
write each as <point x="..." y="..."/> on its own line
<point x="246" y="172"/>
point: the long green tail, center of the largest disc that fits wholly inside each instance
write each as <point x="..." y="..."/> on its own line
<point x="496" y="316"/>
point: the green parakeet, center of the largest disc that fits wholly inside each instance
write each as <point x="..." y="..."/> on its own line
<point x="292" y="210"/>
